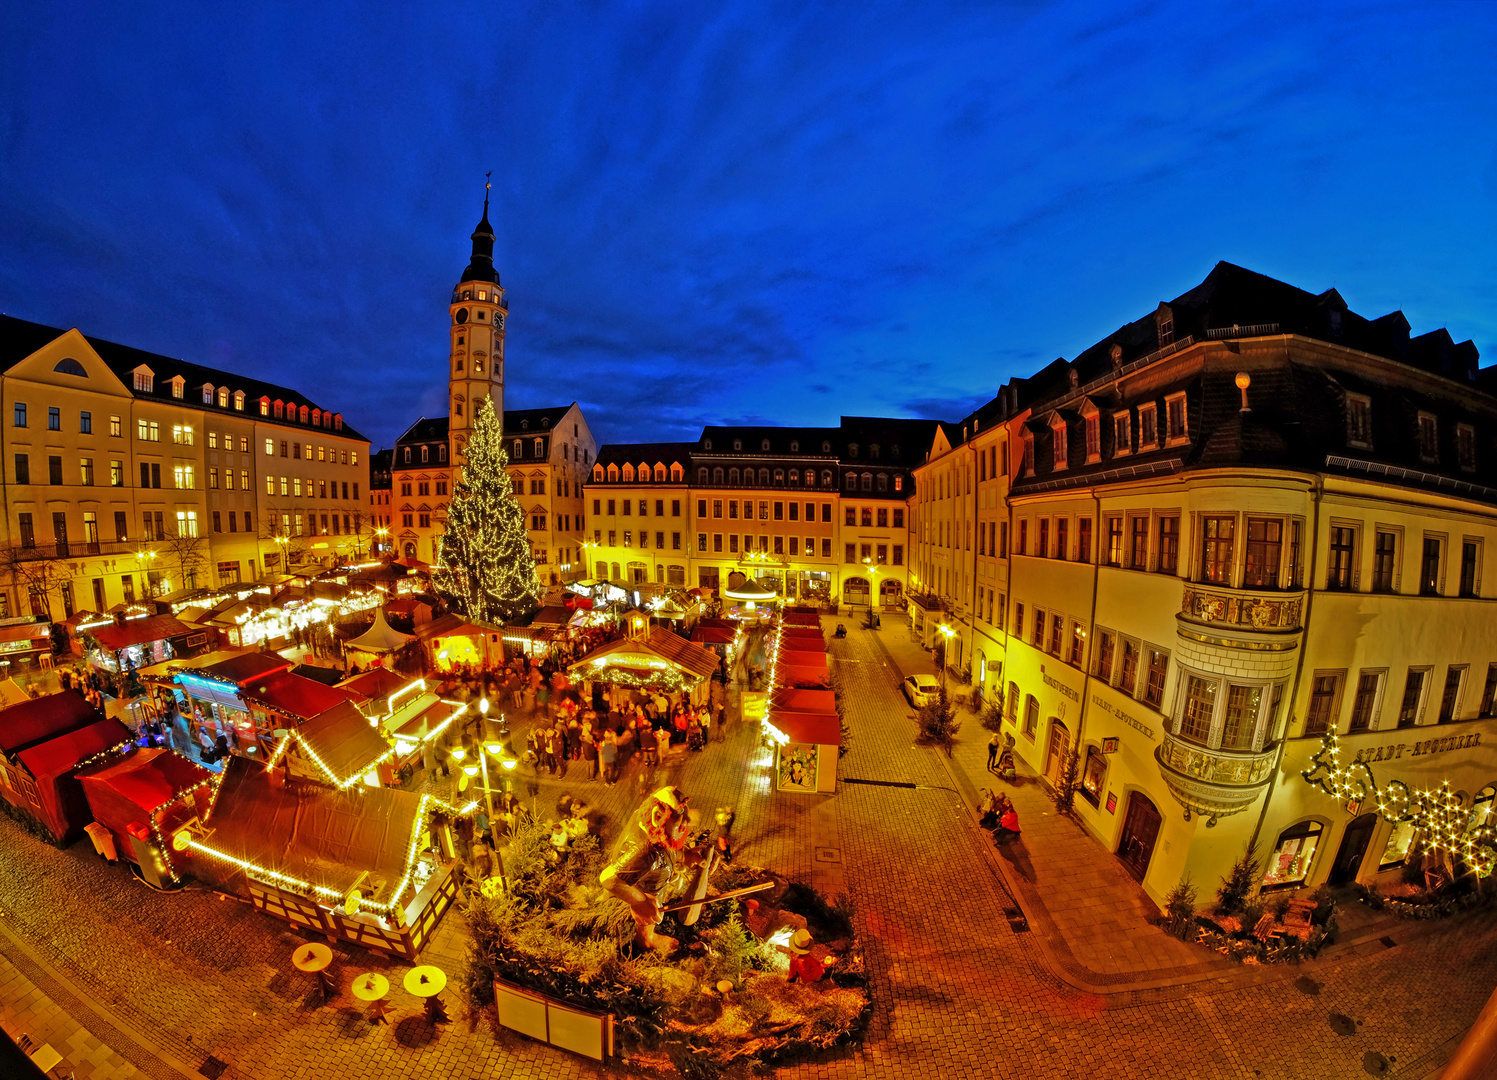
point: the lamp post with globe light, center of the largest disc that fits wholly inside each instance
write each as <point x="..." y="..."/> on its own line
<point x="947" y="633"/>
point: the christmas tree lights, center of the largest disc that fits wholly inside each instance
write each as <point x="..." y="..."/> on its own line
<point x="1440" y="819"/>
<point x="484" y="569"/>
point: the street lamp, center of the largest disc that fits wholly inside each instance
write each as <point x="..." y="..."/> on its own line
<point x="948" y="633"/>
<point x="381" y="533"/>
<point x="500" y="749"/>
<point x="872" y="587"/>
<point x="144" y="557"/>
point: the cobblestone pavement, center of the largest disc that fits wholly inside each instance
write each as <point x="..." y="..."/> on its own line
<point x="959" y="990"/>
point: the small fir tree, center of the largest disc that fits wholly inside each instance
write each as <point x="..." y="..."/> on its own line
<point x="1180" y="910"/>
<point x="1241" y="882"/>
<point x="484" y="569"/>
<point x="938" y="723"/>
<point x="1065" y="787"/>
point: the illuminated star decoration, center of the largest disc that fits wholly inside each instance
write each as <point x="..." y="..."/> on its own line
<point x="1439" y="818"/>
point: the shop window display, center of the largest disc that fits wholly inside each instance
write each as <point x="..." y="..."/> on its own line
<point x="1293" y="854"/>
<point x="1396" y="850"/>
<point x="1094" y="775"/>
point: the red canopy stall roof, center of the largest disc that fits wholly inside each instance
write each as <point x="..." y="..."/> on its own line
<point x="295" y="695"/>
<point x="802" y="645"/>
<point x="61" y="806"/>
<point x="37" y="719"/>
<point x="808" y="727"/>
<point x="801" y="700"/>
<point x="123" y="794"/>
<point x="800" y="618"/>
<point x="802" y="633"/>
<point x="712" y="635"/>
<point x="117" y="636"/>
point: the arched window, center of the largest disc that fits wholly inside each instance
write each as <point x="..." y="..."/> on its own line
<point x="540" y="448"/>
<point x="737" y="444"/>
<point x="425" y="454"/>
<point x="441" y="451"/>
<point x="764" y="446"/>
<point x="873" y="451"/>
<point x="702" y="475"/>
<point x="265" y="406"/>
<point x="810" y="478"/>
<point x="69" y="366"/>
<point x="794" y="477"/>
<point x="795" y="446"/>
<point x="883" y="481"/>
<point x="733" y="476"/>
<point x="764" y="478"/>
<point x="1290" y="862"/>
<point x="826" y="448"/>
<point x="852" y="481"/>
<point x="407" y="455"/>
<point x="628" y="474"/>
<point x="518" y="450"/>
<point x="867" y="481"/>
<point x="852" y="450"/>
<point x="779" y="478"/>
<point x="717" y="474"/>
<point x="826" y="478"/>
<point x="899" y="483"/>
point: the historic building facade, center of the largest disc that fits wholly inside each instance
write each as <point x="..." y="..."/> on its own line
<point x="550" y="450"/>
<point x="1246" y="520"/>
<point x="128" y="474"/>
<point x="818" y="512"/>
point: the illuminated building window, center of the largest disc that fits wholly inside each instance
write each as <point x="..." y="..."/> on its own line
<point x="1325" y="689"/>
<point x="1289" y="864"/>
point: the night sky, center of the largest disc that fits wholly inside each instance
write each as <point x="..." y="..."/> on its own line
<point x="728" y="212"/>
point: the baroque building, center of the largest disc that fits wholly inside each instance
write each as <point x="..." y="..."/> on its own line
<point x="1176" y="562"/>
<point x="818" y="513"/>
<point x="128" y="474"/>
<point x="550" y="450"/>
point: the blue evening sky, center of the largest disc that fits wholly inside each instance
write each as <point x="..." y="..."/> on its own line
<point x="729" y="211"/>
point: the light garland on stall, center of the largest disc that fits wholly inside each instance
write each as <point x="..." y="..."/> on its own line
<point x="1438" y="816"/>
<point x="341" y="783"/>
<point x="306" y="887"/>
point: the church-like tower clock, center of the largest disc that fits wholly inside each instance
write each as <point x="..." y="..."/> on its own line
<point x="475" y="367"/>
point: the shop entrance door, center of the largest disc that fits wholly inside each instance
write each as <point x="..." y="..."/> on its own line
<point x="1055" y="759"/>
<point x="1140" y="830"/>
<point x="1353" y="848"/>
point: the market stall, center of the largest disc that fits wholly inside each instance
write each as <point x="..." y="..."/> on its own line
<point x="211" y="695"/>
<point x="661" y="661"/>
<point x="339" y="747"/>
<point x="453" y="643"/>
<point x="43" y="742"/>
<point x="371" y="866"/>
<point x="138" y="800"/>
<point x="373" y="646"/>
<point x="128" y="643"/>
<point x="806" y="748"/>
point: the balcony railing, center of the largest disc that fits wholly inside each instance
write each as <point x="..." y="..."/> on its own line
<point x="1233" y="768"/>
<point x="1248" y="610"/>
<point x="927" y="601"/>
<point x="1210" y="782"/>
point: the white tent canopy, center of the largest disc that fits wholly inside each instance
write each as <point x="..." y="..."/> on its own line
<point x="381" y="637"/>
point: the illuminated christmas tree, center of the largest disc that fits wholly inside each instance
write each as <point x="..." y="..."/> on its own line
<point x="484" y="567"/>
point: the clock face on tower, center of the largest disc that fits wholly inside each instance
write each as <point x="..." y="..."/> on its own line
<point x="462" y="315"/>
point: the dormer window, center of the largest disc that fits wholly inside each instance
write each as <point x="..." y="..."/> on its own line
<point x="1059" y="444"/>
<point x="1164" y="319"/>
<point x="279" y="409"/>
<point x="873" y="451"/>
<point x="425" y="454"/>
<point x="1359" y="421"/>
<point x="441" y="451"/>
<point x="316" y="415"/>
<point x="302" y="413"/>
<point x="518" y="449"/>
<point x="1028" y="466"/>
<point x="144" y="380"/>
<point x="659" y="474"/>
<point x="265" y="406"/>
<point x="794" y="446"/>
<point x="540" y="448"/>
<point x="628" y="474"/>
<point x="223" y="397"/>
<point x="826" y="448"/>
<point x="598" y="474"/>
<point x="1333" y="320"/>
<point x="1177" y="428"/>
<point x="1429" y="432"/>
<point x="764" y="445"/>
<point x="737" y="444"/>
<point x="706" y="444"/>
<point x="407" y="455"/>
<point x="852" y="450"/>
<point x="1465" y="447"/>
<point x="239" y="400"/>
<point x="613" y="474"/>
<point x="1122" y="434"/>
<point x="524" y="425"/>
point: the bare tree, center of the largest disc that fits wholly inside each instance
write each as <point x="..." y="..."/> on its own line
<point x="187" y="552"/>
<point x="287" y="540"/>
<point x="36" y="572"/>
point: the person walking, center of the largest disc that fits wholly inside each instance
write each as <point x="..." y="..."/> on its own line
<point x="993" y="751"/>
<point x="589" y="753"/>
<point x="608" y="753"/>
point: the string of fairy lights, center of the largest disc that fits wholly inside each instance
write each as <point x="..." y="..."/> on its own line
<point x="1438" y="816"/>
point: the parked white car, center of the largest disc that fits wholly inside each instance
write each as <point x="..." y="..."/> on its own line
<point x="921" y="689"/>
